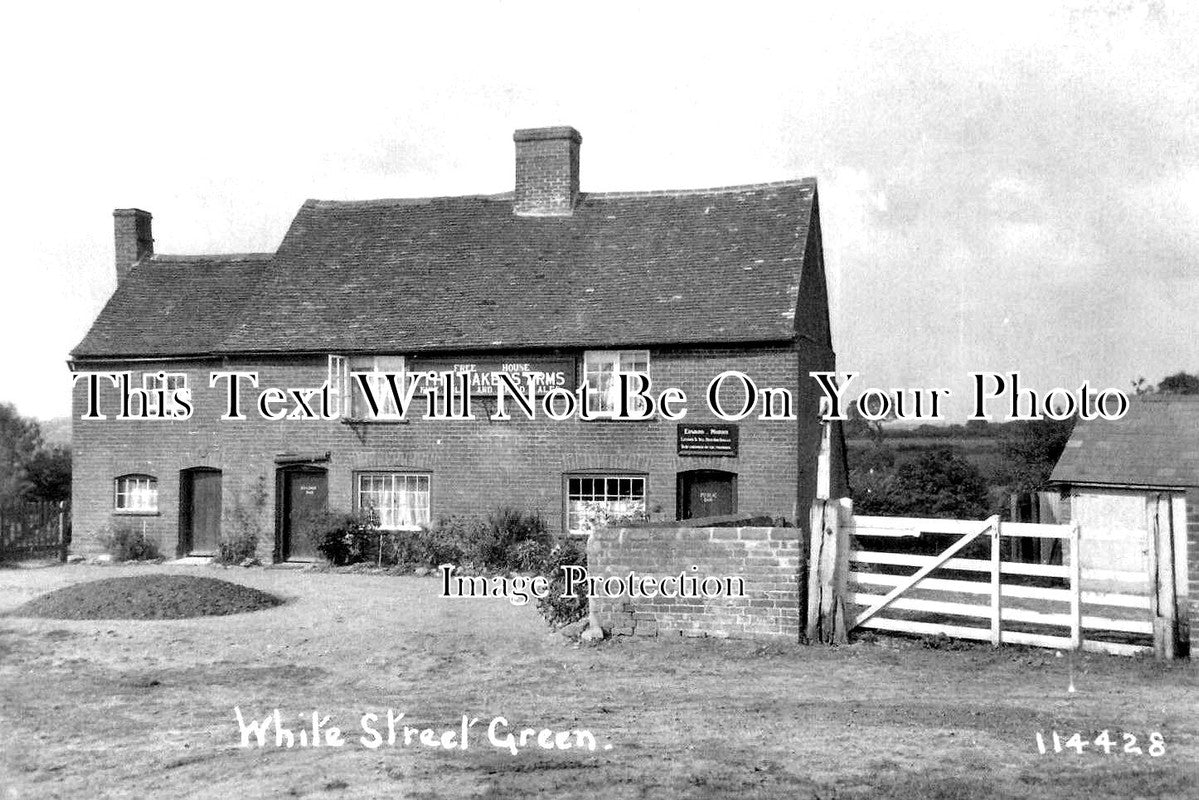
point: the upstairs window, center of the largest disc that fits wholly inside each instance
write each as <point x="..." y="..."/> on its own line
<point x="169" y="381"/>
<point x="377" y="367"/>
<point x="601" y="369"/>
<point x="136" y="494"/>
<point x="349" y="400"/>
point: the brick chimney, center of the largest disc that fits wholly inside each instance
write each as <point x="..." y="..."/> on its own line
<point x="547" y="171"/>
<point x="134" y="241"/>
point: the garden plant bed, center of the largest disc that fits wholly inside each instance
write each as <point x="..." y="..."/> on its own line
<point x="146" y="708"/>
<point x="154" y="596"/>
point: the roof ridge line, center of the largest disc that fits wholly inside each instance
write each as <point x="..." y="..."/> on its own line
<point x="413" y="201"/>
<point x="181" y="258"/>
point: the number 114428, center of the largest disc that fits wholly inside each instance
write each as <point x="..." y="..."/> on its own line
<point x="1127" y="743"/>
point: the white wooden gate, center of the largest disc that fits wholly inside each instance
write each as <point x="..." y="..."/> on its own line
<point x="1058" y="605"/>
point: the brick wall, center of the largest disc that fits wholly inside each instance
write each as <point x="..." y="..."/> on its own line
<point x="474" y="466"/>
<point x="767" y="559"/>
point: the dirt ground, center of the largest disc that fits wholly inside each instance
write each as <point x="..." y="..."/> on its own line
<point x="145" y="709"/>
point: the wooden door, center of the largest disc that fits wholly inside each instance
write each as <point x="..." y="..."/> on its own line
<point x="200" y="509"/>
<point x="305" y="493"/>
<point x="707" y="493"/>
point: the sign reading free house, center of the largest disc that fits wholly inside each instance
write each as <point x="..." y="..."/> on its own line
<point x="544" y="373"/>
<point x="707" y="440"/>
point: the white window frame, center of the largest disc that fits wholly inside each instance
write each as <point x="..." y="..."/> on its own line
<point x="399" y="486"/>
<point x="605" y="496"/>
<point x="135" y="493"/>
<point x="338" y="380"/>
<point x="605" y="401"/>
<point x="171" y="381"/>
<point x="343" y="391"/>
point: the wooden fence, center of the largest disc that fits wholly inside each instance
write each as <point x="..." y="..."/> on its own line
<point x="966" y="580"/>
<point x="34" y="529"/>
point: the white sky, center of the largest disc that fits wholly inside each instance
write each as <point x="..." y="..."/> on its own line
<point x="1012" y="188"/>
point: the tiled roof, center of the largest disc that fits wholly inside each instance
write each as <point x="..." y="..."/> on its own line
<point x="1156" y="444"/>
<point x="456" y="273"/>
<point x="174" y="305"/>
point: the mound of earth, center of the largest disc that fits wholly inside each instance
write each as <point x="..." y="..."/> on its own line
<point x="155" y="596"/>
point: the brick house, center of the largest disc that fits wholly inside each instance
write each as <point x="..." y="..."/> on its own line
<point x="1139" y="476"/>
<point x="572" y="286"/>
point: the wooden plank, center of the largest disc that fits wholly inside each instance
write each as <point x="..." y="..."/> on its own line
<point x="1035" y="530"/>
<point x="928" y="628"/>
<point x="972" y="587"/>
<point x="923" y="572"/>
<point x="931" y="606"/>
<point x="914" y="526"/>
<point x="1116" y="576"/>
<point x="982" y="587"/>
<point x="1013" y="637"/>
<point x="996" y="589"/>
<point x="1165" y="640"/>
<point x="962" y="564"/>
<point x="827" y="570"/>
<point x="1178" y="516"/>
<point x="1075" y="587"/>
<point x="1030" y="616"/>
<point x="1140" y="601"/>
<point x="816" y="532"/>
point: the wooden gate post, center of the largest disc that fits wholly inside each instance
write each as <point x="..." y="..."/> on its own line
<point x="1161" y="562"/>
<point x="996" y="584"/>
<point x="828" y="565"/>
<point x="1075" y="586"/>
<point x="62" y="531"/>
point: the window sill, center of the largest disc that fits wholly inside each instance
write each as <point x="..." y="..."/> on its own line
<point x="125" y="512"/>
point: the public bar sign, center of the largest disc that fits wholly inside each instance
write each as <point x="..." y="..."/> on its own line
<point x="544" y="373"/>
<point x="707" y="440"/>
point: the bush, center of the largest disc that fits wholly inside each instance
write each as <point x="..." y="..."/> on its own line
<point x="341" y="537"/>
<point x="559" y="608"/>
<point x="125" y="542"/>
<point x="427" y="547"/>
<point x="507" y="540"/>
<point x="237" y="547"/>
<point x="243" y="522"/>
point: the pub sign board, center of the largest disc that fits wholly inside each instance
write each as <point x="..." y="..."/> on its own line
<point x="544" y="373"/>
<point x="708" y="440"/>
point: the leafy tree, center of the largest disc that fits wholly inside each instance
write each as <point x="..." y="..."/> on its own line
<point x="858" y="427"/>
<point x="48" y="474"/>
<point x="20" y="439"/>
<point x="1179" y="383"/>
<point x="939" y="483"/>
<point x="1030" y="449"/>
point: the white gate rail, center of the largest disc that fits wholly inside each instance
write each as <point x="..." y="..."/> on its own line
<point x="1117" y="603"/>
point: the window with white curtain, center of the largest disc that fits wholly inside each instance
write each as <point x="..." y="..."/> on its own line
<point x="401" y="499"/>
<point x="136" y="493"/>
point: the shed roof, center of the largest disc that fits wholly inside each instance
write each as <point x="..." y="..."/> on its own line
<point x="1155" y="445"/>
